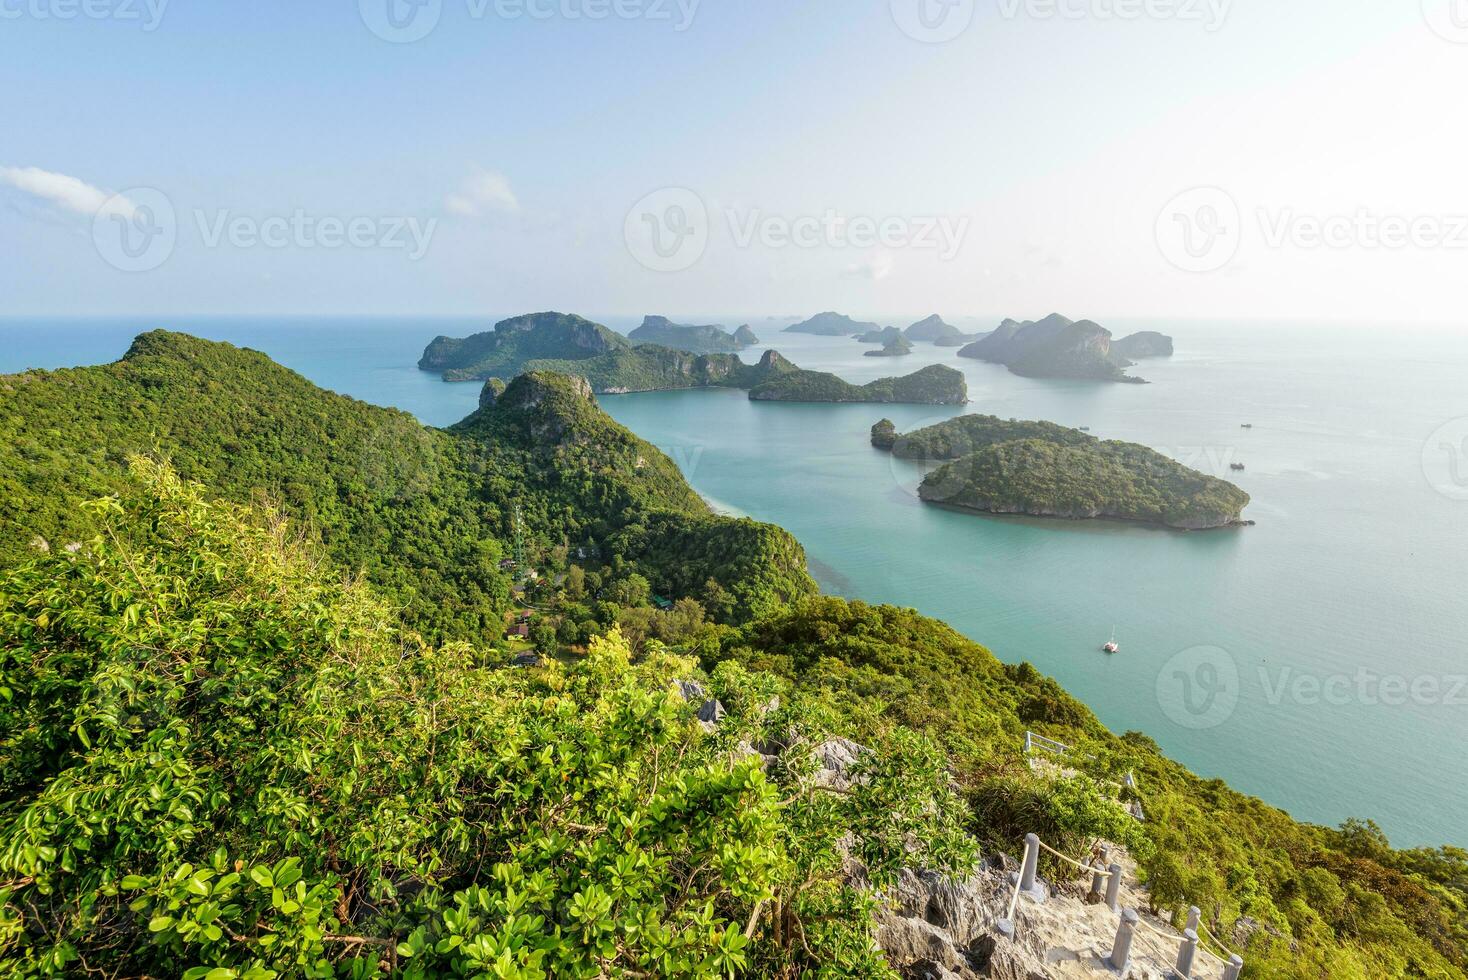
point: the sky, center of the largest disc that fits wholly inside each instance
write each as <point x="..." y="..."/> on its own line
<point x="1145" y="158"/>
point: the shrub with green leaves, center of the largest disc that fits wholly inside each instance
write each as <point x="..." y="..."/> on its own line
<point x="223" y="760"/>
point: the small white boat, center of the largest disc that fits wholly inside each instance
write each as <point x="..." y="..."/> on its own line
<point x="1111" y="646"/>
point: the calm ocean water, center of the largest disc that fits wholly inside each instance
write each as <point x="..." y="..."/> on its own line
<point x="1317" y="660"/>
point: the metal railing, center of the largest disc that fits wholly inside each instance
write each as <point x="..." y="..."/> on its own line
<point x="1026" y="881"/>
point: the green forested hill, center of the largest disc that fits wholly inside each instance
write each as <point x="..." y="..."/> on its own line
<point x="223" y="757"/>
<point x="425" y="513"/>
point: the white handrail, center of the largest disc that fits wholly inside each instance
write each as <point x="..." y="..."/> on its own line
<point x="1203" y="931"/>
<point x="1089" y="868"/>
<point x="1014" y="899"/>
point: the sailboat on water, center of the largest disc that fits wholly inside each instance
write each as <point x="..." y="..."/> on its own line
<point x="1111" y="646"/>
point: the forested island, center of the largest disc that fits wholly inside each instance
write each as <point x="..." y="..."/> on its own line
<point x="1057" y="347"/>
<point x="898" y="347"/>
<point x="933" y="385"/>
<point x="934" y="330"/>
<point x="1046" y="470"/>
<point x="1144" y="344"/>
<point x="832" y="325"/>
<point x="884" y="336"/>
<point x="703" y="339"/>
<point x="504" y="352"/>
<point x="269" y="723"/>
<point x="649" y="367"/>
<point x="774" y="378"/>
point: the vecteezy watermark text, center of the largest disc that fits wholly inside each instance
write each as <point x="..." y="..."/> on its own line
<point x="1363" y="229"/>
<point x="832" y="229"/>
<point x="138" y="230"/>
<point x="1200" y="688"/>
<point x="1364" y="687"/>
<point x="670" y="229"/>
<point x="1202" y="229"/>
<point x="147" y="13"/>
<point x="406" y="21"/>
<point x="300" y="229"/>
<point x="1210" y="13"/>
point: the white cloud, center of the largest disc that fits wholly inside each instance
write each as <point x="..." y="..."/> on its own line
<point x="67" y="193"/>
<point x="481" y="194"/>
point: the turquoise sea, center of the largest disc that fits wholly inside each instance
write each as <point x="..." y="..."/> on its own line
<point x="1318" y="659"/>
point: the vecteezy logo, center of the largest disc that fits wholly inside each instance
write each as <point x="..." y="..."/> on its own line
<point x="1448" y="19"/>
<point x="933" y="21"/>
<point x="1445" y="459"/>
<point x="136" y="230"/>
<point x="1199" y="688"/>
<point x="401" y="21"/>
<point x="1200" y="230"/>
<point x="668" y="230"/>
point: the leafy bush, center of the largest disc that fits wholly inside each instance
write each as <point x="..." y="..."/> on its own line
<point x="223" y="760"/>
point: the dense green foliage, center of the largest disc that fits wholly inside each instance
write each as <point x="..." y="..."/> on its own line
<point x="1300" y="901"/>
<point x="955" y="438"/>
<point x="424" y="514"/>
<point x="649" y="367"/>
<point x="388" y="497"/>
<point x="220" y="761"/>
<point x="503" y="352"/>
<point x="933" y="385"/>
<point x="1118" y="480"/>
<point x="697" y="339"/>
<point x="223" y="754"/>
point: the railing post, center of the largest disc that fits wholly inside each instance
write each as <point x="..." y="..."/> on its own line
<point x="1234" y="968"/>
<point x="1113" y="887"/>
<point x="1029" y="742"/>
<point x="1031" y="865"/>
<point x="1194" y="917"/>
<point x="1098" y="884"/>
<point x="1185" y="954"/>
<point x="1121" y="950"/>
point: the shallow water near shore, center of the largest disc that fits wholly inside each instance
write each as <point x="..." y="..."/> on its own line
<point x="1317" y="659"/>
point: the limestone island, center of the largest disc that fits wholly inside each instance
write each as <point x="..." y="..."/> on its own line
<point x="1147" y="343"/>
<point x="899" y="347"/>
<point x="832" y="325"/>
<point x="705" y="339"/>
<point x="934" y="330"/>
<point x="504" y="351"/>
<point x="1042" y="469"/>
<point x="884" y="336"/>
<point x="1058" y="347"/>
<point x="933" y="385"/>
<point x="648" y="367"/>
